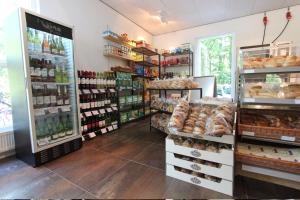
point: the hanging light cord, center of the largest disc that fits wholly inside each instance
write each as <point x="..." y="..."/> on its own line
<point x="281" y="31"/>
<point x="263" y="40"/>
<point x="265" y="21"/>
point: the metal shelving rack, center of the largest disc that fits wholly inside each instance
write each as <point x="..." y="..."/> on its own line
<point x="190" y="56"/>
<point x="264" y="104"/>
<point x="165" y="93"/>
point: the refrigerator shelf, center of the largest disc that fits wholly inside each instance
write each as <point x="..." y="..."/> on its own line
<point x="51" y="110"/>
<point x="46" y="55"/>
<point x="271" y="101"/>
<point x="49" y="83"/>
<point x="271" y="70"/>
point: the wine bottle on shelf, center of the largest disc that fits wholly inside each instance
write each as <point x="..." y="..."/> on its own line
<point x="37" y="42"/>
<point x="60" y="128"/>
<point x="45" y="44"/>
<point x="69" y="126"/>
<point x="61" y="47"/>
<point x="66" y="95"/>
<point x="47" y="96"/>
<point x="98" y="82"/>
<point x="53" y="94"/>
<point x="60" y="97"/>
<point x="51" y="71"/>
<point x="40" y="96"/>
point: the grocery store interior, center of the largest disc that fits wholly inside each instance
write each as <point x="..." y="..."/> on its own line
<point x="149" y="99"/>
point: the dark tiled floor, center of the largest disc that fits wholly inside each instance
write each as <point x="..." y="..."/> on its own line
<point x="129" y="163"/>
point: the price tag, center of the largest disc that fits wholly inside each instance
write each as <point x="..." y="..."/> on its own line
<point x="109" y="109"/>
<point x="95" y="91"/>
<point x="53" y="110"/>
<point x="102" y="90"/>
<point x="39" y="112"/>
<point x="115" y="126"/>
<point x="110" y="128"/>
<point x="95" y="112"/>
<point x="248" y="133"/>
<point x="103" y="130"/>
<point x="86" y="92"/>
<point x="288" y="138"/>
<point x="102" y="111"/>
<point x="114" y="108"/>
<point x="250" y="100"/>
<point x="82" y="139"/>
<point x="92" y="134"/>
<point x="66" y="109"/>
<point x="88" y="114"/>
<point x="297" y="101"/>
<point x="112" y="90"/>
<point x="248" y="71"/>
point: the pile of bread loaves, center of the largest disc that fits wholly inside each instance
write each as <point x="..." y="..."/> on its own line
<point x="264" y="90"/>
<point x="175" y="83"/>
<point x="276" y="61"/>
<point x="202" y="119"/>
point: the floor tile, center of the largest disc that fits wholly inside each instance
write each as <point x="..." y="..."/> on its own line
<point x="133" y="181"/>
<point x="153" y="155"/>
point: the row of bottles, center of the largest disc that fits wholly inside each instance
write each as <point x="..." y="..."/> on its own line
<point x="50" y="95"/>
<point x="44" y="70"/>
<point x="49" y="44"/>
<point x="96" y="122"/>
<point x="50" y="128"/>
<point x="96" y="80"/>
<point x="98" y="100"/>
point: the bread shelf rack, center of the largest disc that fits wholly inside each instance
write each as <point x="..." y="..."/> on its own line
<point x="264" y="134"/>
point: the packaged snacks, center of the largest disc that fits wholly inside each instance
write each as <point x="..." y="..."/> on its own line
<point x="179" y="115"/>
<point x="180" y="83"/>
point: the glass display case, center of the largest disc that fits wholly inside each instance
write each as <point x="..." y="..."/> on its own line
<point x="43" y="84"/>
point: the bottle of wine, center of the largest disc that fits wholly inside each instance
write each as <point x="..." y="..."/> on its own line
<point x="37" y="42"/>
<point x="45" y="44"/>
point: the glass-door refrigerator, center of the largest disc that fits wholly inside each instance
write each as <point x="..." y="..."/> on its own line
<point x="44" y="91"/>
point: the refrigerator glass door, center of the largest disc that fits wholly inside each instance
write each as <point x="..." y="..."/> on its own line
<point x="52" y="77"/>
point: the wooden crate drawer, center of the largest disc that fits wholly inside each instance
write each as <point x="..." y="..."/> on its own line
<point x="224" y="171"/>
<point x="224" y="186"/>
<point x="224" y="156"/>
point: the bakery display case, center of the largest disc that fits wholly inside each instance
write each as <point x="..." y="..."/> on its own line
<point x="269" y="109"/>
<point x="200" y="146"/>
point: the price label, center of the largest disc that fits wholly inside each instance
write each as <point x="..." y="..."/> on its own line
<point x="250" y="100"/>
<point x="66" y="109"/>
<point x="102" y="111"/>
<point x="88" y="114"/>
<point x="112" y="90"/>
<point x="109" y="109"/>
<point x="95" y="91"/>
<point x="110" y="128"/>
<point x="86" y="92"/>
<point x="103" y="130"/>
<point x="115" y="126"/>
<point x="114" y="108"/>
<point x="82" y="139"/>
<point x="39" y="112"/>
<point x="288" y="138"/>
<point x="248" y="133"/>
<point x="248" y="71"/>
<point x="297" y="101"/>
<point x="53" y="110"/>
<point x="95" y="112"/>
<point x="92" y="134"/>
<point x="102" y="90"/>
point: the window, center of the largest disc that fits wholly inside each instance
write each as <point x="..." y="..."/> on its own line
<point x="215" y="58"/>
<point x="7" y="6"/>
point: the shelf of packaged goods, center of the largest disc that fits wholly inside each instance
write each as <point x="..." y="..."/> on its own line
<point x="271" y="101"/>
<point x="176" y="54"/>
<point x="51" y="110"/>
<point x="262" y="161"/>
<point x="271" y="70"/>
<point x="107" y="109"/>
<point x="48" y="83"/>
<point x="142" y="76"/>
<point x="174" y="88"/>
<point x="117" y="40"/>
<point x="58" y="141"/>
<point x="101" y="131"/>
<point x="161" y="111"/>
<point x="133" y="120"/>
<point x="46" y="55"/>
<point x="145" y="51"/>
<point x="280" y="135"/>
<point x="177" y="65"/>
<point x="146" y="64"/>
<point x="117" y="56"/>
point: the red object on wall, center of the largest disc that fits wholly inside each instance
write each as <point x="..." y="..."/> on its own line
<point x="265" y="19"/>
<point x="288" y="14"/>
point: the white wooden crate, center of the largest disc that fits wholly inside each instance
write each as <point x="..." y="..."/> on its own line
<point x="224" y="186"/>
<point x="225" y="156"/>
<point x="224" y="172"/>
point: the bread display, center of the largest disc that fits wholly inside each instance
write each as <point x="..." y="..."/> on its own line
<point x="268" y="90"/>
<point x="202" y="119"/>
<point x="197" y="174"/>
<point x="276" y="61"/>
<point x="160" y="121"/>
<point x="175" y="83"/>
<point x="163" y="104"/>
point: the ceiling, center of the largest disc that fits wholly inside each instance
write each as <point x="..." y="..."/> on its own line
<point x="183" y="14"/>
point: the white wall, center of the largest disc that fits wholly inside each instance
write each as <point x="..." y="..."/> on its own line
<point x="90" y="18"/>
<point x="247" y="30"/>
